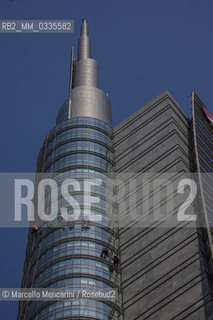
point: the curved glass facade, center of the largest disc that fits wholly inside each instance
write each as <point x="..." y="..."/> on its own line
<point x="71" y="258"/>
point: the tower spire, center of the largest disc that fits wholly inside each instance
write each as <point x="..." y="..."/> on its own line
<point x="84" y="27"/>
<point x="85" y="98"/>
<point x="84" y="46"/>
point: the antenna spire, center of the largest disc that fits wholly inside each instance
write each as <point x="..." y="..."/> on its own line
<point x="84" y="28"/>
<point x="84" y="46"/>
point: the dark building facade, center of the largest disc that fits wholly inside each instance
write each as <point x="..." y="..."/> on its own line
<point x="202" y="122"/>
<point x="165" y="271"/>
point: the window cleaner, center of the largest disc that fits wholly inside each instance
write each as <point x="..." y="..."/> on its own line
<point x="105" y="253"/>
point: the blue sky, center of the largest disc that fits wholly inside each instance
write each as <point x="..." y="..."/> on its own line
<point x="143" y="47"/>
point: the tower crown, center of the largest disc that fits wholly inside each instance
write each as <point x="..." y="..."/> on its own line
<point x="85" y="98"/>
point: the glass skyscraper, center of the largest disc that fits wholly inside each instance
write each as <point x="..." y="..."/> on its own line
<point x="167" y="269"/>
<point x="69" y="255"/>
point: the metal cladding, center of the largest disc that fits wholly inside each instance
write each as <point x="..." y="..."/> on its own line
<point x="90" y="102"/>
<point x="87" y="100"/>
<point x="86" y="73"/>
<point x="84" y="45"/>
